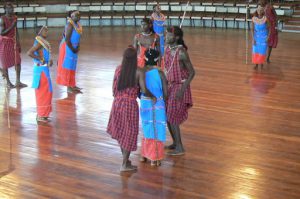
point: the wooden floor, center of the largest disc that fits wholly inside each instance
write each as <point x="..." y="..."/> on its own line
<point x="242" y="137"/>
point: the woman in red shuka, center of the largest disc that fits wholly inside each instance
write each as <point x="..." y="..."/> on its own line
<point x="123" y="124"/>
<point x="41" y="54"/>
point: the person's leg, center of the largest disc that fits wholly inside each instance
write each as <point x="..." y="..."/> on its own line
<point x="269" y="54"/>
<point x="179" y="150"/>
<point x="256" y="66"/>
<point x="5" y="75"/>
<point x="126" y="164"/>
<point x="19" y="84"/>
<point x="173" y="145"/>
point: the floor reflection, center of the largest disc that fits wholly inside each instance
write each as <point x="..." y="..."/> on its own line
<point x="265" y="80"/>
<point x="6" y="163"/>
<point x="66" y="120"/>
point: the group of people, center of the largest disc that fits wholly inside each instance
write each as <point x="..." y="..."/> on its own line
<point x="156" y="69"/>
<point x="41" y="53"/>
<point x="165" y="98"/>
<point x="160" y="76"/>
<point x="66" y="64"/>
<point x="264" y="33"/>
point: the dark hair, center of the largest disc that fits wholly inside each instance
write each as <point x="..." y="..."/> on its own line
<point x="8" y="3"/>
<point x="178" y="33"/>
<point x="149" y="22"/>
<point x="155" y="6"/>
<point x="70" y="12"/>
<point x="151" y="56"/>
<point x="127" y="77"/>
<point x="38" y="29"/>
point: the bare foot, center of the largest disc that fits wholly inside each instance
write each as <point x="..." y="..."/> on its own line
<point x="128" y="167"/>
<point x="21" y="85"/>
<point x="10" y="85"/>
<point x="129" y="163"/>
<point x="171" y="147"/>
<point x="176" y="152"/>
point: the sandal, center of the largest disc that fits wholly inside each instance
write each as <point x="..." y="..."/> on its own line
<point x="42" y="119"/>
<point x="77" y="88"/>
<point x="143" y="159"/>
<point x="153" y="163"/>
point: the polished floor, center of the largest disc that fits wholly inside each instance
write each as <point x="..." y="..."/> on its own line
<point x="242" y="137"/>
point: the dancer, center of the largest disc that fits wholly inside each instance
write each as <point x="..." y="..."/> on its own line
<point x="272" y="18"/>
<point x="180" y="72"/>
<point x="123" y="122"/>
<point x="260" y="36"/>
<point x="144" y="40"/>
<point x="68" y="53"/>
<point x="10" y="47"/>
<point x="153" y="115"/>
<point x="41" y="54"/>
<point x="158" y="20"/>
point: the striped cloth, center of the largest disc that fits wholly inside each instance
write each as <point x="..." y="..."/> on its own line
<point x="7" y="47"/>
<point x="271" y="16"/>
<point x="123" y="124"/>
<point x="177" y="110"/>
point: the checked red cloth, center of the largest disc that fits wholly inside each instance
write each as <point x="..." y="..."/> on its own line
<point x="123" y="124"/>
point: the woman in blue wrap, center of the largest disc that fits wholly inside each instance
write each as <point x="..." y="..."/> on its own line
<point x="41" y="54"/>
<point x="153" y="114"/>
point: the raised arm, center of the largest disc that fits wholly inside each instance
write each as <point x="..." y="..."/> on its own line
<point x="31" y="51"/>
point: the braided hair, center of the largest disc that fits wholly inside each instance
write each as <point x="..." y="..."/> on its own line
<point x="127" y="77"/>
<point x="178" y="33"/>
<point x="149" y="22"/>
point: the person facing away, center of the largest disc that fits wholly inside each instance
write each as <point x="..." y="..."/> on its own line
<point x="41" y="54"/>
<point x="123" y="124"/>
<point x="153" y="115"/>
